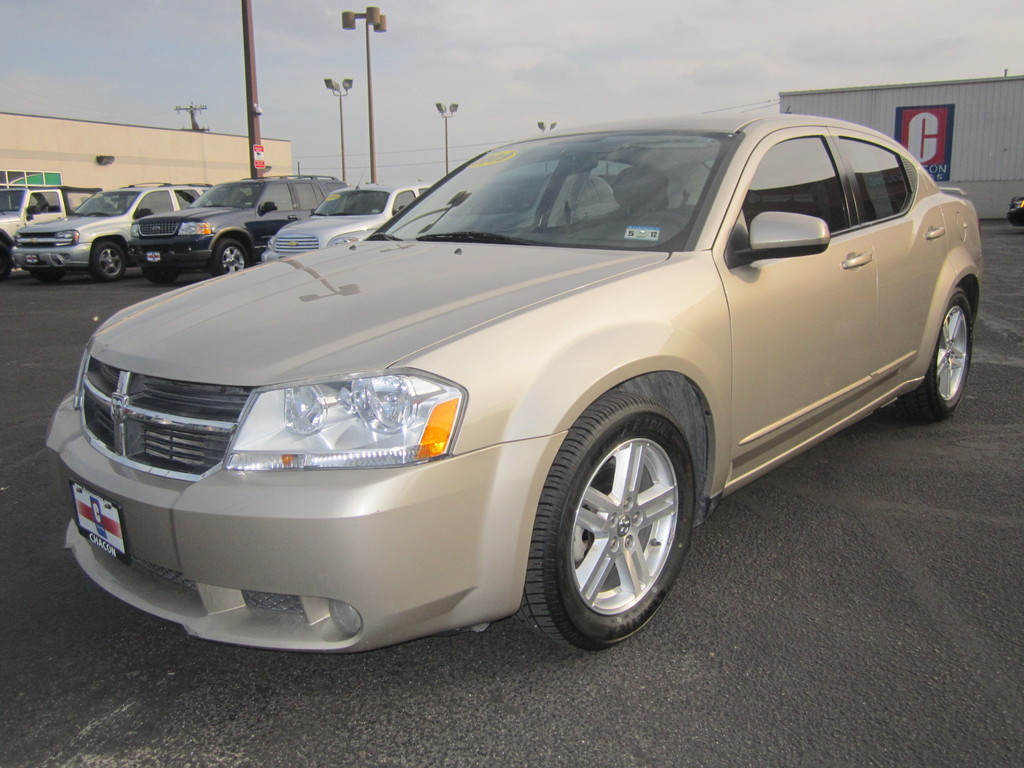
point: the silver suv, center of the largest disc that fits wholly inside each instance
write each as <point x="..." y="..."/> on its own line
<point x="95" y="239"/>
<point x="345" y="216"/>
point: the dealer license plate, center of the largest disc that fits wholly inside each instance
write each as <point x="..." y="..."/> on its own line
<point x="31" y="258"/>
<point x="152" y="255"/>
<point x="99" y="519"/>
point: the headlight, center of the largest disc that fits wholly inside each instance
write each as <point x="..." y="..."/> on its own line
<point x="136" y="232"/>
<point x="348" y="237"/>
<point x="195" y="228"/>
<point x="67" y="237"/>
<point x="386" y="420"/>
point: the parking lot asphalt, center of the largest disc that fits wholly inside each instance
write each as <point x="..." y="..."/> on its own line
<point x="859" y="606"/>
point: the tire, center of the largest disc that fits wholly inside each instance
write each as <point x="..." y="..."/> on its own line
<point x="601" y="563"/>
<point x="48" y="275"/>
<point x="6" y="262"/>
<point x="161" y="275"/>
<point x="937" y="397"/>
<point x="228" y="256"/>
<point x="108" y="261"/>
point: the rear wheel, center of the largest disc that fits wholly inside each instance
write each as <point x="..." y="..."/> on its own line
<point x="160" y="275"/>
<point x="48" y="275"/>
<point x="107" y="261"/>
<point x="937" y="397"/>
<point x="612" y="526"/>
<point x="228" y="256"/>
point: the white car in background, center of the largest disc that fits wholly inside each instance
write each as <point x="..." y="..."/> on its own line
<point x="344" y="216"/>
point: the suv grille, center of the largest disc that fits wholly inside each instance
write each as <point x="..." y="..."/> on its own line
<point x="157" y="228"/>
<point x="296" y="243"/>
<point x="163" y="426"/>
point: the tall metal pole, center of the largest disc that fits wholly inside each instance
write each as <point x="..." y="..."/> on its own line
<point x="341" y="126"/>
<point x="369" y="105"/>
<point x="251" y="99"/>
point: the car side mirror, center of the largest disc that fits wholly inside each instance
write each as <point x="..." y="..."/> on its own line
<point x="780" y="235"/>
<point x="267" y="207"/>
<point x="31" y="212"/>
<point x="140" y="212"/>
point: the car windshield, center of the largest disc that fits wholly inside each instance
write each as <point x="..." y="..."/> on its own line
<point x="112" y="203"/>
<point x="353" y="202"/>
<point x="623" y="191"/>
<point x="10" y="199"/>
<point x="240" y="194"/>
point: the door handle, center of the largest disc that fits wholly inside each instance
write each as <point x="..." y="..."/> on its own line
<point x="854" y="260"/>
<point x="934" y="233"/>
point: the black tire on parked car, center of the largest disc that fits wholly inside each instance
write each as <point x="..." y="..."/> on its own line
<point x="613" y="524"/>
<point x="48" y="274"/>
<point x="160" y="275"/>
<point x="6" y="262"/>
<point x="937" y="397"/>
<point x="108" y="261"/>
<point x="228" y="256"/>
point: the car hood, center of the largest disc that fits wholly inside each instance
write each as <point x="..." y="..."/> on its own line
<point x="191" y="214"/>
<point x="72" y="222"/>
<point x="328" y="226"/>
<point x="343" y="310"/>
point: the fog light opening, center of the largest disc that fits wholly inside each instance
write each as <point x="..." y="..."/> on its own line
<point x="346" y="618"/>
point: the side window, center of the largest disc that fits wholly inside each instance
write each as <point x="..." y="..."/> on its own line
<point x="185" y="197"/>
<point x="47" y="202"/>
<point x="279" y="195"/>
<point x="799" y="176"/>
<point x="156" y="202"/>
<point x="307" y="197"/>
<point x="402" y="200"/>
<point x="880" y="182"/>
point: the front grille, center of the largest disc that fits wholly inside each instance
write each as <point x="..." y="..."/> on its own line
<point x="269" y="601"/>
<point x="157" y="228"/>
<point x="162" y="425"/>
<point x="296" y="243"/>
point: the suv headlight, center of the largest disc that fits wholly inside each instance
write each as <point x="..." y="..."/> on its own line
<point x="67" y="237"/>
<point x="136" y="230"/>
<point x="195" y="228"/>
<point x="386" y="420"/>
<point x="348" y="237"/>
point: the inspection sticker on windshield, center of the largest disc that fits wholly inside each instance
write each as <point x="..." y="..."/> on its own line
<point x="643" y="233"/>
<point x="99" y="520"/>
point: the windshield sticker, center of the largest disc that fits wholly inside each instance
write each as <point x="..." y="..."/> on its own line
<point x="332" y="197"/>
<point x="643" y="233"/>
<point x="494" y="158"/>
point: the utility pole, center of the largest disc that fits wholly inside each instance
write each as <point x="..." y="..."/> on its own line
<point x="251" y="99"/>
<point x="192" y="109"/>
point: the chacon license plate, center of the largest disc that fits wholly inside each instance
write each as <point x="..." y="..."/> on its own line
<point x="99" y="520"/>
<point x="31" y="258"/>
<point x="152" y="255"/>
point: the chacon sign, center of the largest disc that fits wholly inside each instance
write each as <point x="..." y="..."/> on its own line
<point x="928" y="133"/>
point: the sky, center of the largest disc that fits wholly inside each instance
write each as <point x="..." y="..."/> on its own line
<point x="508" y="64"/>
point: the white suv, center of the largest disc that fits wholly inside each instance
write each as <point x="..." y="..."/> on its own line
<point x="95" y="239"/>
<point x="344" y="216"/>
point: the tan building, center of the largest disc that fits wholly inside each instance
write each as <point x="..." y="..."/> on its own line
<point x="109" y="155"/>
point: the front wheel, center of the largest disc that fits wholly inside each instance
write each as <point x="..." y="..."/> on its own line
<point x="6" y="262"/>
<point x="612" y="526"/>
<point x="943" y="387"/>
<point x="228" y="256"/>
<point x="107" y="261"/>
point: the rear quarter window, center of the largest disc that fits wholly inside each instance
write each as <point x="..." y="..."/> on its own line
<point x="880" y="185"/>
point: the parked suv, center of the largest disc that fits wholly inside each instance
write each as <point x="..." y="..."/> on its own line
<point x="1016" y="213"/>
<point x="20" y="205"/>
<point x="344" y="216"/>
<point x="95" y="239"/>
<point x="227" y="228"/>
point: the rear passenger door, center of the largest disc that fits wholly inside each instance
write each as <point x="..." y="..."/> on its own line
<point x="909" y="242"/>
<point x="803" y="328"/>
<point x="264" y="224"/>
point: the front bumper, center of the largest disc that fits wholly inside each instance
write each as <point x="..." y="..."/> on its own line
<point x="69" y="257"/>
<point x="415" y="550"/>
<point x="183" y="252"/>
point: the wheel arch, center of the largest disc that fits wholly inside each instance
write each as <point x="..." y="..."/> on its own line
<point x="239" y="234"/>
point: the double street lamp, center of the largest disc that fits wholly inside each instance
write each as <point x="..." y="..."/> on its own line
<point x="446" y="112"/>
<point x="341" y="91"/>
<point x="373" y="18"/>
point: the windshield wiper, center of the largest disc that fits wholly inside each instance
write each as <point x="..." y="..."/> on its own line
<point x="383" y="236"/>
<point x="476" y="237"/>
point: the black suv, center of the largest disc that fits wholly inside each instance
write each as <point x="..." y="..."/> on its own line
<point x="227" y="228"/>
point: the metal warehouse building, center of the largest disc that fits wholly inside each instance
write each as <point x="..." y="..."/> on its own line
<point x="967" y="133"/>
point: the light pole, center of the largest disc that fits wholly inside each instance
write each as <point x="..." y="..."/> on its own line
<point x="341" y="92"/>
<point x="446" y="112"/>
<point x="374" y="18"/>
